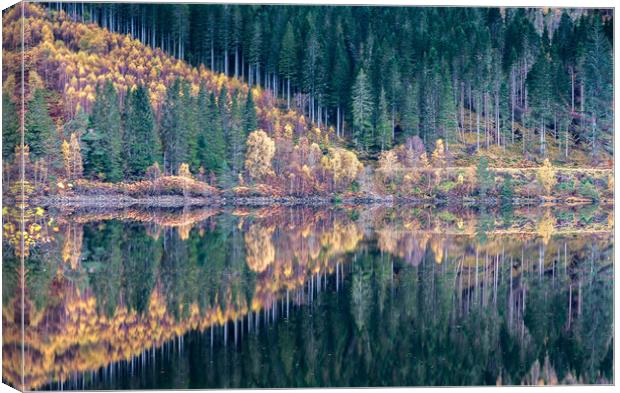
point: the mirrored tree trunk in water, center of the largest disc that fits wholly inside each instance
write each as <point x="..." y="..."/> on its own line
<point x="305" y="297"/>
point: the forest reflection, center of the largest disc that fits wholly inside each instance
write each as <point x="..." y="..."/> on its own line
<point x="292" y="297"/>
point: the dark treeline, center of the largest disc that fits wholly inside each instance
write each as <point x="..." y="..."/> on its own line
<point x="380" y="74"/>
<point x="202" y="133"/>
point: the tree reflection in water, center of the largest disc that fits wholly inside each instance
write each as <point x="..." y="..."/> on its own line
<point x="291" y="297"/>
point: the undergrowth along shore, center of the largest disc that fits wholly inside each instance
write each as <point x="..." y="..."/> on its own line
<point x="445" y="186"/>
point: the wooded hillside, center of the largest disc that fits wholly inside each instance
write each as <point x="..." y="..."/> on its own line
<point x="325" y="84"/>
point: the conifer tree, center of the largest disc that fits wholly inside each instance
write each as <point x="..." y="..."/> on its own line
<point x="174" y="134"/>
<point x="362" y="111"/>
<point x="11" y="134"/>
<point x="189" y="121"/>
<point x="236" y="139"/>
<point x="448" y="123"/>
<point x="40" y="131"/>
<point x="78" y="125"/>
<point x="383" y="124"/>
<point x="103" y="155"/>
<point x="410" y="114"/>
<point x="341" y="83"/>
<point x="598" y="77"/>
<point x="140" y="140"/>
<point x="249" y="115"/>
<point x="288" y="60"/>
<point x="213" y="147"/>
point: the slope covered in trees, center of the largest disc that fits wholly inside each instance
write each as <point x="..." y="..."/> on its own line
<point x="419" y="70"/>
<point x="139" y="112"/>
<point x="513" y="86"/>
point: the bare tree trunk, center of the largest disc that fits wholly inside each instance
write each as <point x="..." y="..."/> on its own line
<point x="572" y="90"/>
<point x="566" y="147"/>
<point x="226" y="61"/>
<point x="338" y="121"/>
<point x="236" y="61"/>
<point x="478" y="125"/>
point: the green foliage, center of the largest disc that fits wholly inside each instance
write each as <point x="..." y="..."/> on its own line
<point x="567" y="186"/>
<point x="485" y="177"/>
<point x="103" y="140"/>
<point x="140" y="140"/>
<point x="507" y="191"/>
<point x="236" y="137"/>
<point x="211" y="143"/>
<point x="410" y="113"/>
<point x="78" y="125"/>
<point x="446" y="186"/>
<point x="362" y="111"/>
<point x="250" y="122"/>
<point x="189" y="122"/>
<point x="446" y="216"/>
<point x="175" y="134"/>
<point x="383" y="125"/>
<point x="588" y="190"/>
<point x="448" y="123"/>
<point x="40" y="130"/>
<point x="11" y="134"/>
<point x="288" y="61"/>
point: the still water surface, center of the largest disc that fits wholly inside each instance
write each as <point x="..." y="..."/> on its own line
<point x="299" y="297"/>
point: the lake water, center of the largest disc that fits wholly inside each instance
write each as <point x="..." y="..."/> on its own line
<point x="301" y="297"/>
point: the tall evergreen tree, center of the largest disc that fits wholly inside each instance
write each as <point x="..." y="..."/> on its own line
<point x="174" y="134"/>
<point x="598" y="80"/>
<point x="236" y="139"/>
<point x="189" y="122"/>
<point x="448" y="123"/>
<point x="11" y="134"/>
<point x="140" y="141"/>
<point x="250" y="122"/>
<point x="410" y="111"/>
<point x="213" y="147"/>
<point x="288" y="60"/>
<point x="383" y="124"/>
<point x="40" y="131"/>
<point x="103" y="141"/>
<point x="361" y="102"/>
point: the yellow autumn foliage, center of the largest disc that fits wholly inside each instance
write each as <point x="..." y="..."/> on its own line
<point x="342" y="164"/>
<point x="546" y="175"/>
<point x="261" y="149"/>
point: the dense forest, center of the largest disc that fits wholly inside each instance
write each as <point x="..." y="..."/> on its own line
<point x="291" y="96"/>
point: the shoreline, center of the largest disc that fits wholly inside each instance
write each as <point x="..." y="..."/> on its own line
<point x="178" y="201"/>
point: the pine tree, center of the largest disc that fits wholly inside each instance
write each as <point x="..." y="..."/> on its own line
<point x="249" y="115"/>
<point x="174" y="134"/>
<point x="485" y="177"/>
<point x="312" y="78"/>
<point x="254" y="54"/>
<point x="598" y="79"/>
<point x="448" y="123"/>
<point x="383" y="125"/>
<point x="236" y="139"/>
<point x="189" y="122"/>
<point x="410" y="113"/>
<point x="140" y="140"/>
<point x="78" y="125"/>
<point x="288" y="60"/>
<point x="341" y="81"/>
<point x="213" y="147"/>
<point x="103" y="155"/>
<point x="11" y="134"/>
<point x="362" y="111"/>
<point x="40" y="130"/>
<point x="540" y="89"/>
